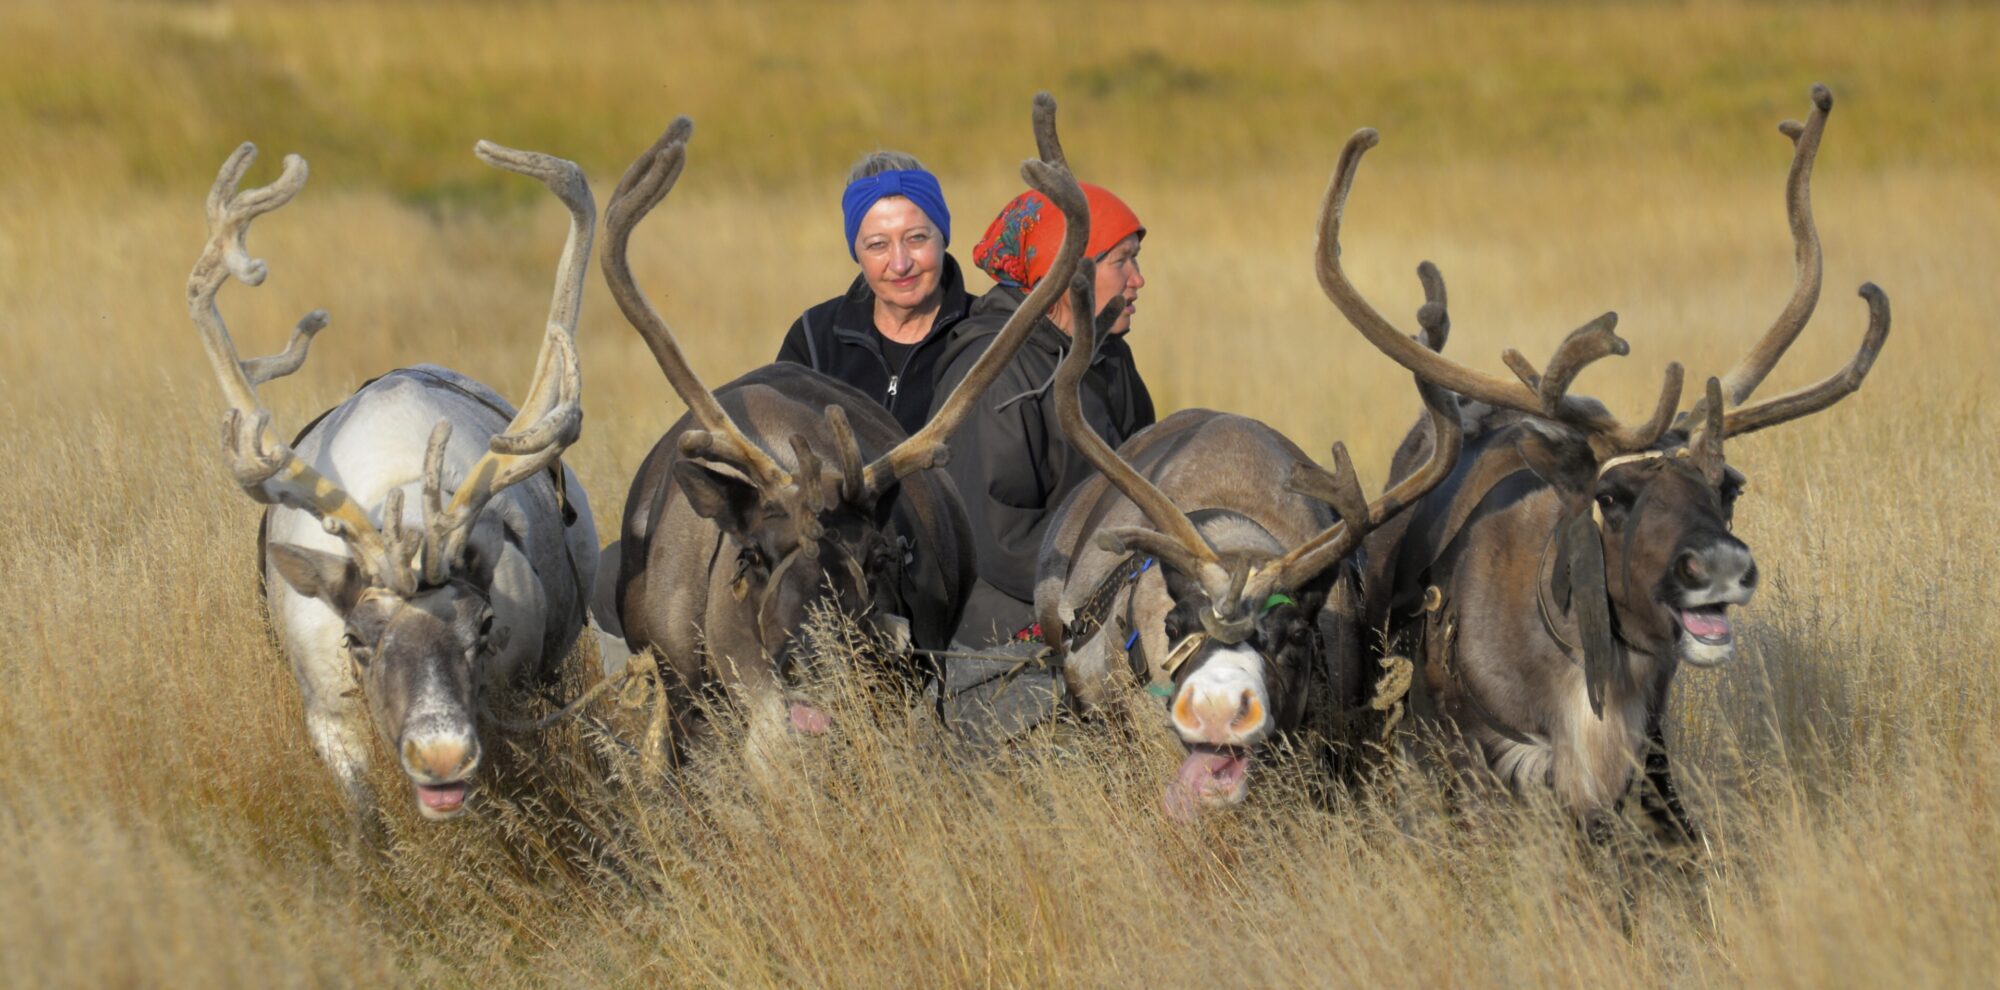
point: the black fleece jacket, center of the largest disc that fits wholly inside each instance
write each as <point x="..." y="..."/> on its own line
<point x="1011" y="463"/>
<point x="838" y="338"/>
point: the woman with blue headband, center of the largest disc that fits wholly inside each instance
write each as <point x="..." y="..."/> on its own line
<point x="884" y="336"/>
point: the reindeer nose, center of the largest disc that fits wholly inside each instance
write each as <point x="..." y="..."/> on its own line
<point x="440" y="759"/>
<point x="1220" y="718"/>
<point x="1716" y="566"/>
<point x="1689" y="570"/>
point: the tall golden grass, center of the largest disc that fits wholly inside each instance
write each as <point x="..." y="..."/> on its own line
<point x="163" y="820"/>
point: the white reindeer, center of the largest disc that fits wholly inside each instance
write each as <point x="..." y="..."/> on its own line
<point x="416" y="575"/>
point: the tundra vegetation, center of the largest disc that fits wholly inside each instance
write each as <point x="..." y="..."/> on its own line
<point x="163" y="818"/>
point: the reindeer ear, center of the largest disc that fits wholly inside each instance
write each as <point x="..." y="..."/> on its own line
<point x="330" y="577"/>
<point x="1558" y="455"/>
<point x="724" y="499"/>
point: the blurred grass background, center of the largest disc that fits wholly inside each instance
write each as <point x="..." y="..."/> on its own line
<point x="382" y="95"/>
<point x="162" y="818"/>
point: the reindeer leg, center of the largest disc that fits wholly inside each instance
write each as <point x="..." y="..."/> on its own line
<point x="1659" y="798"/>
<point x="341" y="739"/>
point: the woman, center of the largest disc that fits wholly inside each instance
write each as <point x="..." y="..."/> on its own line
<point x="884" y="336"/>
<point x="1010" y="460"/>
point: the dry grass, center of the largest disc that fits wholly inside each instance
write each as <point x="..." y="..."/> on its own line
<point x="162" y="819"/>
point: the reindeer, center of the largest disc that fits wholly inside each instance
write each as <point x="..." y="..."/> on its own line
<point x="1250" y="537"/>
<point x="1552" y="586"/>
<point x="394" y="603"/>
<point x="785" y="490"/>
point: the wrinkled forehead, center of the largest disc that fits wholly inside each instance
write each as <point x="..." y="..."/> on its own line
<point x="893" y="214"/>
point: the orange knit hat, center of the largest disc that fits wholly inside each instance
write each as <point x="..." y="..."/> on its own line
<point x="1021" y="243"/>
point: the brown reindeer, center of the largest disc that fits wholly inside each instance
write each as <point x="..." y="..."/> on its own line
<point x="1554" y="583"/>
<point x="1244" y="529"/>
<point x="785" y="490"/>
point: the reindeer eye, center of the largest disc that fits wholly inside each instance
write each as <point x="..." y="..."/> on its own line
<point x="352" y="644"/>
<point x="486" y="626"/>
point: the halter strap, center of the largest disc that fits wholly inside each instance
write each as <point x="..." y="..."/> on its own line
<point x="1623" y="459"/>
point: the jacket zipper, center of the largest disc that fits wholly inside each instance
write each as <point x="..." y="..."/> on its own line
<point x="895" y="375"/>
<point x="896" y="379"/>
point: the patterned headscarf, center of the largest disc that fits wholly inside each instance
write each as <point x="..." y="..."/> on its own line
<point x="1021" y="243"/>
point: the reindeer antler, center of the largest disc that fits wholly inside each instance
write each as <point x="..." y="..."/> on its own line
<point x="1358" y="518"/>
<point x="1539" y="395"/>
<point x="1176" y="541"/>
<point x="267" y="468"/>
<point x="1755" y="365"/>
<point x="646" y="183"/>
<point x="551" y="416"/>
<point x="1818" y="396"/>
<point x="1547" y="394"/>
<point x="1750" y="370"/>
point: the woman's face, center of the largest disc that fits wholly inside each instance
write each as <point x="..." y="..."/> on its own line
<point x="1118" y="279"/>
<point x="901" y="254"/>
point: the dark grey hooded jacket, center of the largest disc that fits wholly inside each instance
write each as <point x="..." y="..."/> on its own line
<point x="1009" y="459"/>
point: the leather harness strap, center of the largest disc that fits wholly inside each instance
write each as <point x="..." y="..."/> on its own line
<point x="1435" y="620"/>
<point x="1096" y="607"/>
<point x="1439" y="632"/>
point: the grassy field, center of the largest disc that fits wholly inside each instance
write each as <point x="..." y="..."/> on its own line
<point x="164" y="822"/>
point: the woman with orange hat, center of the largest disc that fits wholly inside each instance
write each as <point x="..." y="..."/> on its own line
<point x="1010" y="461"/>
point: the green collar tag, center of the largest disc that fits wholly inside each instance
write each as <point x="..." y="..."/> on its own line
<point x="1276" y="600"/>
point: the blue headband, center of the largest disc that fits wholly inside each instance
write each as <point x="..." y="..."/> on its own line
<point x="919" y="186"/>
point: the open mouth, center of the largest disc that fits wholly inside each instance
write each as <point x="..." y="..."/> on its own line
<point x="1708" y="624"/>
<point x="441" y="800"/>
<point x="808" y="720"/>
<point x="1209" y="776"/>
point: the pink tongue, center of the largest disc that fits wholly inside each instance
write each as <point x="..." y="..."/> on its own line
<point x="1205" y="776"/>
<point x="1706" y="624"/>
<point x="445" y="798"/>
<point x="810" y="720"/>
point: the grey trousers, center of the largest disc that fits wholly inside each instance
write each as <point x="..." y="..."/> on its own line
<point x="988" y="702"/>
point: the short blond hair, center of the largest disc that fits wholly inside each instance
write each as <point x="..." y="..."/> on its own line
<point x="878" y="162"/>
